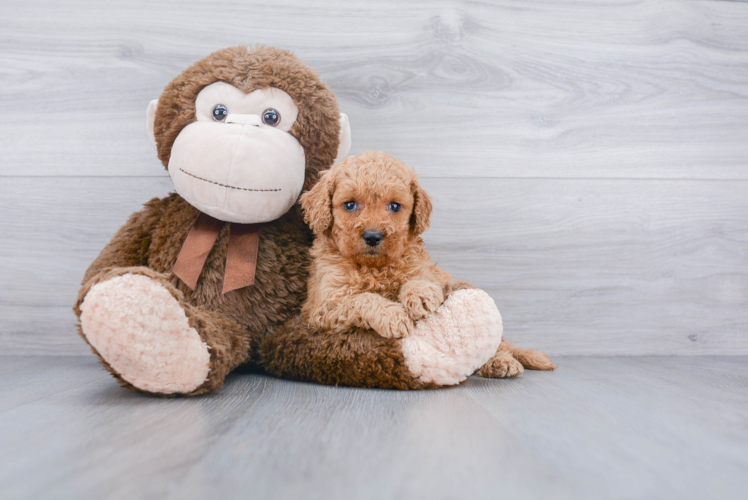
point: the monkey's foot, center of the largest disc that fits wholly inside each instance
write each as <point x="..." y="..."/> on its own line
<point x="142" y="332"/>
<point x="453" y="342"/>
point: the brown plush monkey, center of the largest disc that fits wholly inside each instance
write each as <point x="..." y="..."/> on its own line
<point x="241" y="133"/>
<point x="203" y="280"/>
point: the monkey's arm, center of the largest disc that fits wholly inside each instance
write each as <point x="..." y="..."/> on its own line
<point x="127" y="249"/>
<point x="129" y="246"/>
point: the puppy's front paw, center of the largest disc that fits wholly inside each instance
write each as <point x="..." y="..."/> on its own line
<point x="421" y="298"/>
<point x="394" y="322"/>
<point x="503" y="365"/>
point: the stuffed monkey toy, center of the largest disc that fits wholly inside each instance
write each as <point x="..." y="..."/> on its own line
<point x="213" y="276"/>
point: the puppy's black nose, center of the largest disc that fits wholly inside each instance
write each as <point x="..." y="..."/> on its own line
<point x="373" y="237"/>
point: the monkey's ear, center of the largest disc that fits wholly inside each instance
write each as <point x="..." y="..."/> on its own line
<point x="317" y="204"/>
<point x="150" y="119"/>
<point x="345" y="138"/>
<point x="420" y="219"/>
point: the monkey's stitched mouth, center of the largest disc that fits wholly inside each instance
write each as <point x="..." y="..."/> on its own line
<point x="224" y="185"/>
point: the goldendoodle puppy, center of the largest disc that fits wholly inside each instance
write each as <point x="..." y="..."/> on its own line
<point x="371" y="269"/>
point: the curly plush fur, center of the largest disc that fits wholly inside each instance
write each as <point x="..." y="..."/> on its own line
<point x="384" y="287"/>
<point x="130" y="290"/>
<point x="388" y="286"/>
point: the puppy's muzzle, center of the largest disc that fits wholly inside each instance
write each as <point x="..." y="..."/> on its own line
<point x="373" y="237"/>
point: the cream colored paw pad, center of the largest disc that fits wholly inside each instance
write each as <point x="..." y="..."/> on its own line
<point x="456" y="340"/>
<point x="140" y="329"/>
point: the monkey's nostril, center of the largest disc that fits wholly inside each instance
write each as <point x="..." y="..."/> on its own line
<point x="373" y="237"/>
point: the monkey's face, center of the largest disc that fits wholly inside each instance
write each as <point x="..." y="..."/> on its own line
<point x="243" y="131"/>
<point x="238" y="162"/>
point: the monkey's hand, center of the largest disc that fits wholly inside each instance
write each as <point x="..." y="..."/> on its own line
<point x="420" y="298"/>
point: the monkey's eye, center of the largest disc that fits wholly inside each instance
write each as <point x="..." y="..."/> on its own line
<point x="271" y="117"/>
<point x="395" y="207"/>
<point x="349" y="206"/>
<point x="220" y="112"/>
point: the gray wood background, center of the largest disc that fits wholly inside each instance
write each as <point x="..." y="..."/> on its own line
<point x="588" y="160"/>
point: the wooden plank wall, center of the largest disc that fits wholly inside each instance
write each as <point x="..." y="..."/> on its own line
<point x="588" y="160"/>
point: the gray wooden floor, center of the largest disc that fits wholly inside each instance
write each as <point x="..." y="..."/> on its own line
<point x="597" y="428"/>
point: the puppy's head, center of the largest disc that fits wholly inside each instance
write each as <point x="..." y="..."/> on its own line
<point x="370" y="206"/>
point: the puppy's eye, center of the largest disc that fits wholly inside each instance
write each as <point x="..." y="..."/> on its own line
<point x="220" y="112"/>
<point x="349" y="206"/>
<point x="271" y="117"/>
<point x="395" y="207"/>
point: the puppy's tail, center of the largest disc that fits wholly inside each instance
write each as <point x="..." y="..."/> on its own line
<point x="529" y="358"/>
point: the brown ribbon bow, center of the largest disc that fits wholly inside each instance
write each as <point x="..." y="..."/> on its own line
<point x="241" y="258"/>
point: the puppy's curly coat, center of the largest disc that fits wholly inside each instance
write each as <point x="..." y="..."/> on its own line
<point x="371" y="269"/>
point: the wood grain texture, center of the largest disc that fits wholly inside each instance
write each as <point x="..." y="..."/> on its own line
<point x="614" y="428"/>
<point x="587" y="160"/>
<point x="635" y="89"/>
<point x="576" y="267"/>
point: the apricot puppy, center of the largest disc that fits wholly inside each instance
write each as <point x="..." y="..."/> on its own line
<point x="371" y="269"/>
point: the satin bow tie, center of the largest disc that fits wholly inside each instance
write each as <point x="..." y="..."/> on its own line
<point x="241" y="257"/>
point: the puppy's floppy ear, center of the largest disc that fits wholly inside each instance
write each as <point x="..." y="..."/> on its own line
<point x="420" y="219"/>
<point x="317" y="204"/>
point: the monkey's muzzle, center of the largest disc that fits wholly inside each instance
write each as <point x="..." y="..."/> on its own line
<point x="239" y="171"/>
